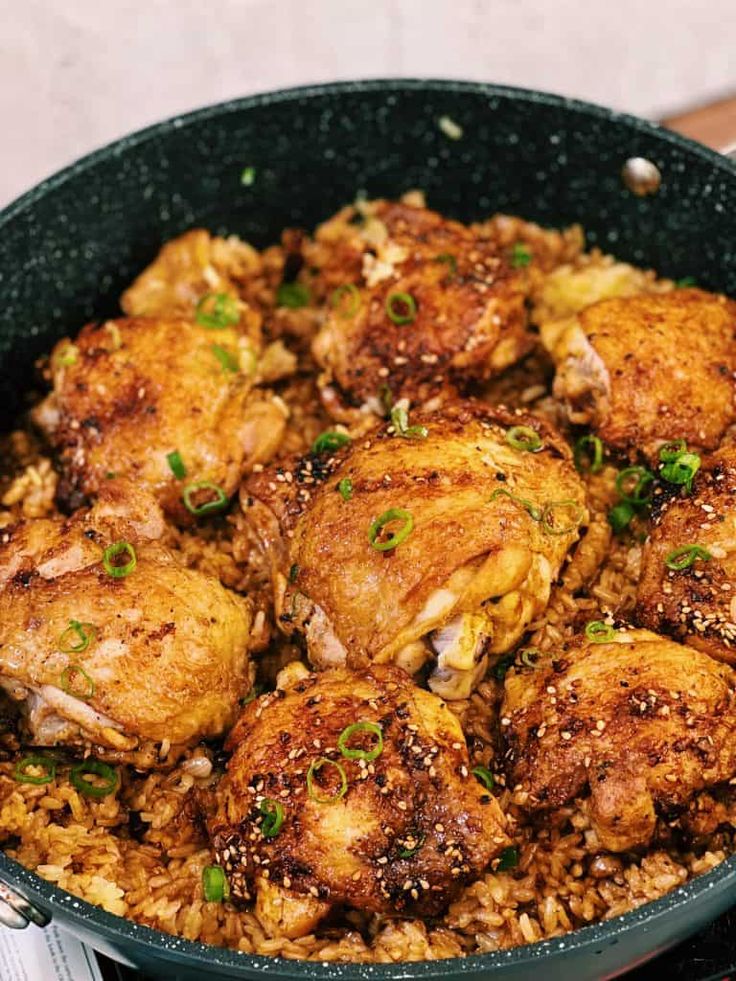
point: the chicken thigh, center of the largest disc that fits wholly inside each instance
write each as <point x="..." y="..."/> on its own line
<point x="644" y="723"/>
<point x="106" y="639"/>
<point x="351" y="788"/>
<point x="440" y="540"/>
<point x="641" y="370"/>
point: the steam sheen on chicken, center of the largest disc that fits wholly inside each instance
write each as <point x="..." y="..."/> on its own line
<point x="424" y="307"/>
<point x="643" y="723"/>
<point x="483" y="528"/>
<point x="641" y="370"/>
<point x="121" y="662"/>
<point x="370" y="776"/>
<point x="129" y="393"/>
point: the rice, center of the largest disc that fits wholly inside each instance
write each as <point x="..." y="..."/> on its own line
<point x="140" y="852"/>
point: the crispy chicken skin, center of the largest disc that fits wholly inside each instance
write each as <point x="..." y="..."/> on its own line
<point x="696" y="605"/>
<point x="641" y="370"/>
<point x="475" y="569"/>
<point x="131" y="391"/>
<point x="166" y="656"/>
<point x="470" y="320"/>
<point x="643" y="722"/>
<point x="412" y="825"/>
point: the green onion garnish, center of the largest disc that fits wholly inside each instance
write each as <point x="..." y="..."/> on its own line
<point x="599" y="632"/>
<point x="293" y="573"/>
<point x="216" y="311"/>
<point x="524" y="438"/>
<point x="685" y="281"/>
<point x="417" y="837"/>
<point x="76" y="638"/>
<point x="554" y="511"/>
<point x="329" y="442"/>
<point x="95" y="768"/>
<point x="450" y="261"/>
<point x="681" y="470"/>
<point x="534" y="511"/>
<point x="400" y="422"/>
<point x="588" y="454"/>
<point x="509" y="859"/>
<point x="671" y="450"/>
<point x="345" y="300"/>
<point x="314" y="769"/>
<point x="483" y="775"/>
<point x="21" y="774"/>
<point x="248" y="176"/>
<point x="292" y="295"/>
<point x="620" y="515"/>
<point x="215" y="886"/>
<point x="68" y="355"/>
<point x="530" y="656"/>
<point x="520" y="256"/>
<point x="219" y="501"/>
<point x="176" y="464"/>
<point x="68" y="684"/>
<point x="394" y="540"/>
<point x="112" y="553"/>
<point x="401" y="308"/>
<point x="684" y="557"/>
<point x="227" y="359"/>
<point x="356" y="753"/>
<point x="273" y="817"/>
<point x="632" y="484"/>
<point x="345" y="487"/>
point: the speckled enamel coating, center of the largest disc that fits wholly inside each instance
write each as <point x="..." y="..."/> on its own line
<point x="69" y="246"/>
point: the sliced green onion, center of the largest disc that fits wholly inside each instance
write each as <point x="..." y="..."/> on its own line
<point x="521" y="256"/>
<point x="112" y="553"/>
<point x="483" y="775"/>
<point x="68" y="355"/>
<point x="248" y="176"/>
<point x="293" y="295"/>
<point x="329" y="442"/>
<point x="682" y="470"/>
<point x="589" y="448"/>
<point x="620" y="515"/>
<point x="217" y="311"/>
<point x="394" y="540"/>
<point x="400" y="422"/>
<point x="176" y="464"/>
<point x="293" y="573"/>
<point x="401" y="308"/>
<point x="345" y="487"/>
<point x="215" y="886"/>
<point x="501" y="667"/>
<point x="599" y="632"/>
<point x="530" y="656"/>
<point x="227" y="359"/>
<point x="524" y="438"/>
<point x="509" y="859"/>
<point x="356" y="753"/>
<point x="273" y="817"/>
<point x="685" y="281"/>
<point x="67" y="682"/>
<point x="450" y="261"/>
<point x="82" y="632"/>
<point x="345" y="300"/>
<point x="634" y="494"/>
<point x="314" y="769"/>
<point x="415" y="836"/>
<point x="218" y="502"/>
<point x="534" y="511"/>
<point x="94" y="768"/>
<point x="21" y="774"/>
<point x="671" y="450"/>
<point x="684" y="557"/>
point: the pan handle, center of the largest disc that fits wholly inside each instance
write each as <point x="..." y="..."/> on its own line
<point x="713" y="124"/>
<point x="17" y="912"/>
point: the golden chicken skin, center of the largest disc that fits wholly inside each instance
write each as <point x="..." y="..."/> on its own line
<point x="167" y="403"/>
<point x="642" y="722"/>
<point x="425" y="307"/>
<point x="107" y="640"/>
<point x="687" y="586"/>
<point x="434" y="538"/>
<point x="350" y="789"/>
<point x="642" y="370"/>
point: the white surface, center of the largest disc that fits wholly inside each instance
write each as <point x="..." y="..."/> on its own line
<point x="45" y="955"/>
<point x="75" y="74"/>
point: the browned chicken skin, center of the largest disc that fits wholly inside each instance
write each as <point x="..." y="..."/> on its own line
<point x="157" y="656"/>
<point x="469" y="323"/>
<point x="130" y="392"/>
<point x="475" y="569"/>
<point x="645" y="369"/>
<point x="398" y="833"/>
<point x="643" y="722"/>
<point x="697" y="604"/>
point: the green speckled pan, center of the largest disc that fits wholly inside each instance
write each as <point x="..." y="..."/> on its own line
<point x="68" y="247"/>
